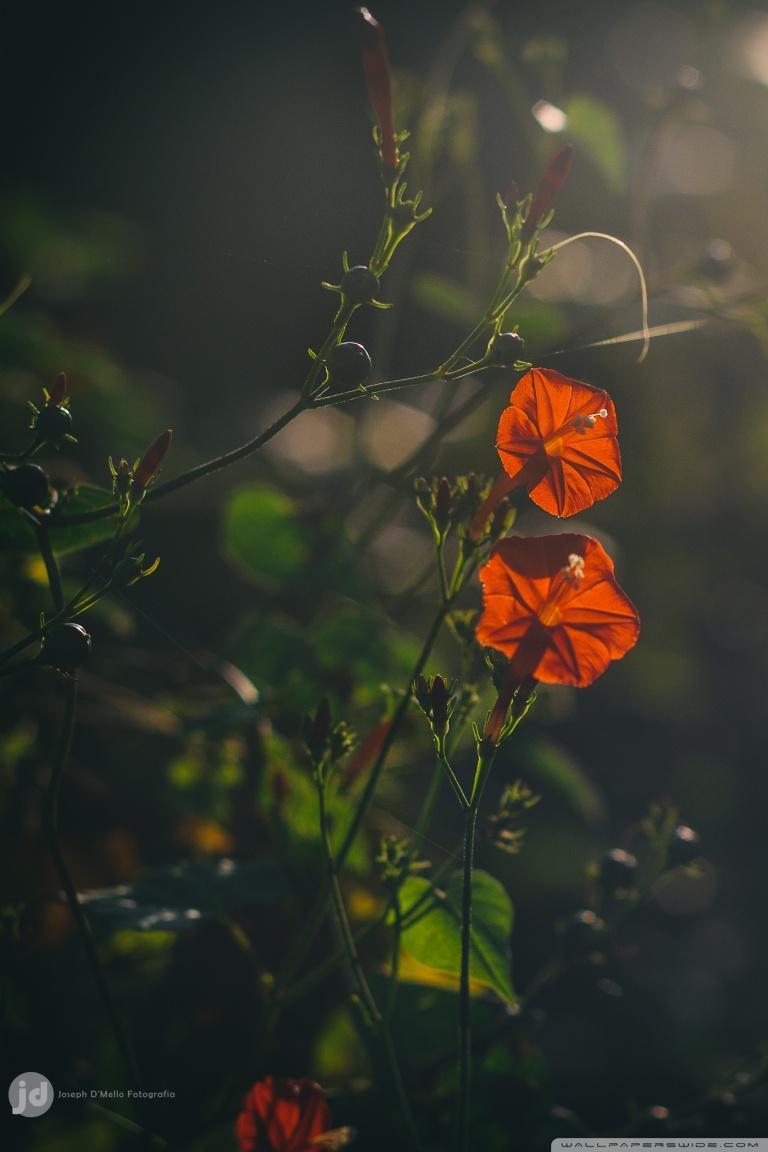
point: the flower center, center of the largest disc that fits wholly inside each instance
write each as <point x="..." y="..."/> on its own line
<point x="569" y="577"/>
<point x="554" y="444"/>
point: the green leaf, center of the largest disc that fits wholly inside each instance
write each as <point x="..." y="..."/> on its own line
<point x="445" y="298"/>
<point x="18" y="535"/>
<point x="594" y="126"/>
<point x="434" y="939"/>
<point x="262" y="536"/>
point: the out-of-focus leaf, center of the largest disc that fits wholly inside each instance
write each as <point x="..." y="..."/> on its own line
<point x="339" y="1054"/>
<point x="261" y="535"/>
<point x="67" y="257"/>
<point x="548" y="764"/>
<point x="445" y="298"/>
<point x="215" y="888"/>
<point x="17" y="534"/>
<point x="540" y="325"/>
<point x="175" y="898"/>
<point x="596" y="128"/>
<point x="434" y="939"/>
<point x="362" y="647"/>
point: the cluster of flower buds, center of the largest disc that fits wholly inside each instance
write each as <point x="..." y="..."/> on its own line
<point x="505" y="827"/>
<point x="397" y="861"/>
<point x="130" y="482"/>
<point x="437" y="700"/>
<point x="326" y="742"/>
<point x="52" y="424"/>
<point x="454" y="506"/>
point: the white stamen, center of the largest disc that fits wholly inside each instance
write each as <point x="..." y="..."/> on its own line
<point x="574" y="569"/>
<point x="582" y="423"/>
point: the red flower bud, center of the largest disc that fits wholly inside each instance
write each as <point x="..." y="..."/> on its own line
<point x="60" y="389"/>
<point x="555" y="175"/>
<point x="151" y="460"/>
<point x="377" y="81"/>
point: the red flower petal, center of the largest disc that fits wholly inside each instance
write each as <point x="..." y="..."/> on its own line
<point x="282" y="1116"/>
<point x="554" y="439"/>
<point x="557" y="629"/>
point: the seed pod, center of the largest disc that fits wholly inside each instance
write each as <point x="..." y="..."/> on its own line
<point x="25" y="486"/>
<point x="359" y="285"/>
<point x="66" y="646"/>
<point x="506" y="349"/>
<point x="52" y="423"/>
<point x="349" y="364"/>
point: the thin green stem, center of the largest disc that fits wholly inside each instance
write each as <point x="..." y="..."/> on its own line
<point x="338" y="328"/>
<point x="394" y="976"/>
<point x="368" y="1001"/>
<point x="441" y="572"/>
<point x="78" y="915"/>
<point x="484" y="764"/>
<point x="392" y="732"/>
<point x="51" y="567"/>
<point x="198" y="473"/>
<point x="445" y="765"/>
<point x="304" y="403"/>
<point x="317" y="975"/>
<point x="20" y="457"/>
<point x="465" y="1004"/>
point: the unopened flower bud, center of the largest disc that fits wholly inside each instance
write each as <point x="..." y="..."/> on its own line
<point x="555" y="175"/>
<point x="59" y="389"/>
<point x="443" y="506"/>
<point x="151" y="460"/>
<point x="441" y="702"/>
<point x="317" y="731"/>
<point x="377" y="81"/>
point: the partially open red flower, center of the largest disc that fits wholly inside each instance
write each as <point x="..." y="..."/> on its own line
<point x="377" y="80"/>
<point x="284" y="1116"/>
<point x="558" y="439"/>
<point x="552" y="605"/>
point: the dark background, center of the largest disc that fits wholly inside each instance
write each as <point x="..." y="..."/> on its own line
<point x="178" y="180"/>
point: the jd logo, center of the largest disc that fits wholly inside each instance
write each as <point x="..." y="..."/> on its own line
<point x="30" y="1094"/>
